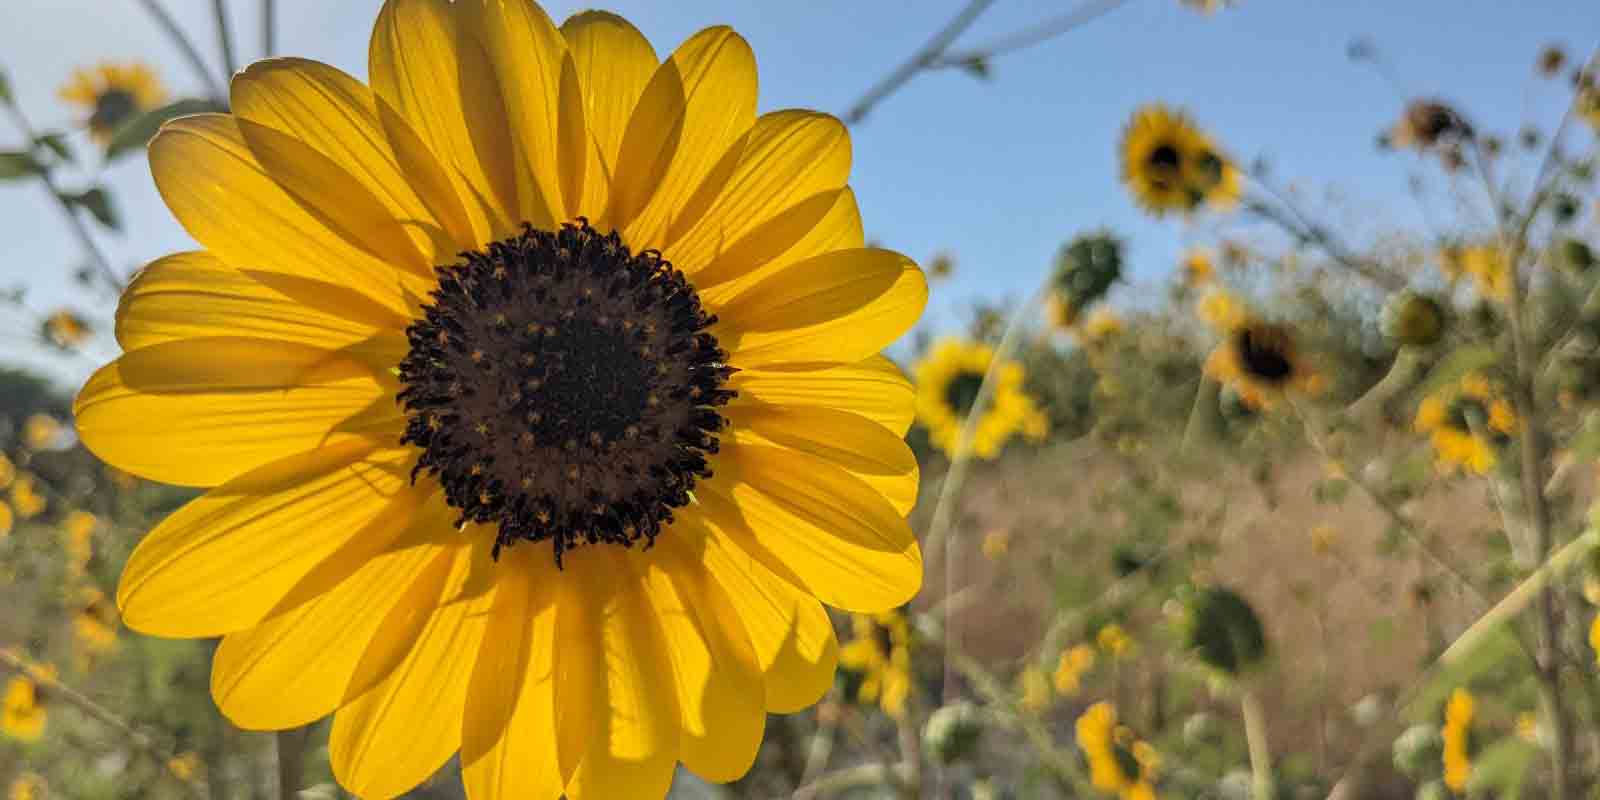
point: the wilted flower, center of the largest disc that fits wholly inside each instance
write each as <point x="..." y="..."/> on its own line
<point x="1428" y="123"/>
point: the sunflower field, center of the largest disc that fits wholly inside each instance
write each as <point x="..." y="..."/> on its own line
<point x="524" y="401"/>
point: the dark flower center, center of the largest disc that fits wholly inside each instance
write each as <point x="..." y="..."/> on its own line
<point x="961" y="393"/>
<point x="565" y="389"/>
<point x="1263" y="352"/>
<point x="112" y="108"/>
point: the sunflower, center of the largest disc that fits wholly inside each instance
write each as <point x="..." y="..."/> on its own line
<point x="1070" y="669"/>
<point x="880" y="656"/>
<point x="1485" y="265"/>
<point x="1198" y="268"/>
<point x="1467" y="422"/>
<point x="1458" y="740"/>
<point x="23" y="710"/>
<point x="1258" y="361"/>
<point x="65" y="329"/>
<point x="1119" y="763"/>
<point x="94" y="621"/>
<point x="1114" y="640"/>
<point x="27" y="786"/>
<point x="539" y="394"/>
<point x="77" y="538"/>
<point x="112" y="94"/>
<point x="25" y="498"/>
<point x="1221" y="310"/>
<point x="1171" y="165"/>
<point x="948" y="380"/>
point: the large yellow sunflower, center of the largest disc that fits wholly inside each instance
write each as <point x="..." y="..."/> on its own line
<point x="539" y="392"/>
<point x="1169" y="164"/>
<point x="948" y="380"/>
<point x="111" y="94"/>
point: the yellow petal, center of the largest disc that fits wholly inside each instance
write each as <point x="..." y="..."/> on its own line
<point x="338" y="117"/>
<point x="508" y="748"/>
<point x="194" y="295"/>
<point x="634" y="725"/>
<point x="527" y="53"/>
<point x="296" y="666"/>
<point x="223" y="197"/>
<point x="807" y="519"/>
<point x="718" y="679"/>
<point x="442" y="85"/>
<point x="791" y="633"/>
<point x="613" y="62"/>
<point x="696" y="106"/>
<point x="223" y="561"/>
<point x="198" y="412"/>
<point x="400" y="731"/>
<point x="853" y="443"/>
<point x="822" y="223"/>
<point x="874" y="388"/>
<point x="839" y="307"/>
<point x="787" y="158"/>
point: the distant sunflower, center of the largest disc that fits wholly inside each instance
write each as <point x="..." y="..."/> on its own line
<point x="1198" y="268"/>
<point x="1457" y="735"/>
<point x="1070" y="669"/>
<point x="1467" y="423"/>
<point x="880" y="655"/>
<point x="1169" y="164"/>
<point x="112" y="94"/>
<point x="1259" y="362"/>
<point x="948" y="380"/>
<point x="23" y="709"/>
<point x="65" y="329"/>
<point x="25" y="498"/>
<point x="1119" y="763"/>
<point x="541" y="375"/>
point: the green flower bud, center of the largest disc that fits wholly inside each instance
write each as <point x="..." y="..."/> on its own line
<point x="1412" y="319"/>
<point x="952" y="732"/>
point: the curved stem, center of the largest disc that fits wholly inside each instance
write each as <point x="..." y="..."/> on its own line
<point x="1029" y="37"/>
<point x="919" y="61"/>
<point x="219" y="10"/>
<point x="190" y="53"/>
<point x="75" y="222"/>
<point x="269" y="28"/>
<point x="1255" y="734"/>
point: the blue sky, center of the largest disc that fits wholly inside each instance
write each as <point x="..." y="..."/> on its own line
<point x="998" y="172"/>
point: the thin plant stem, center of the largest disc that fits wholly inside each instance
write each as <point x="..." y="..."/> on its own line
<point x="219" y="10"/>
<point x="75" y="222"/>
<point x="190" y="53"/>
<point x="291" y="761"/>
<point x="918" y="62"/>
<point x="269" y="28"/>
<point x="1255" y="734"/>
<point x="1029" y="37"/>
<point x="10" y="659"/>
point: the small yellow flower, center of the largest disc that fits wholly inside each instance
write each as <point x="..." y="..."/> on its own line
<point x="1100" y="327"/>
<point x="1528" y="727"/>
<point x="8" y="519"/>
<point x="8" y="472"/>
<point x="77" y="533"/>
<point x="1485" y="265"/>
<point x="1198" y="268"/>
<point x="881" y="653"/>
<point x="25" y="499"/>
<point x="1457" y="735"/>
<point x="948" y="380"/>
<point x="23" y="710"/>
<point x="1119" y="763"/>
<point x="1033" y="689"/>
<point x="40" y="432"/>
<point x="66" y="329"/>
<point x="112" y="94"/>
<point x="1323" y="539"/>
<point x="27" y="786"/>
<point x="185" y="766"/>
<point x="1594" y="636"/>
<point x="1169" y="164"/>
<point x="1075" y="661"/>
<point x="1114" y="640"/>
<point x="996" y="542"/>
<point x="95" y="621"/>
<point x="1222" y="311"/>
<point x="1466" y="423"/>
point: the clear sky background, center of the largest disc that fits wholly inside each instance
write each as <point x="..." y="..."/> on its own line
<point x="997" y="172"/>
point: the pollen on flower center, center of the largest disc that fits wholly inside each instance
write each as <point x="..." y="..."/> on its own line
<point x="564" y="388"/>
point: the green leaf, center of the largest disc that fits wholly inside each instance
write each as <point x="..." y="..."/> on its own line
<point x="1500" y="769"/>
<point x="1457" y="365"/>
<point x="97" y="203"/>
<point x="134" y="134"/>
<point x="17" y="164"/>
<point x="55" y="143"/>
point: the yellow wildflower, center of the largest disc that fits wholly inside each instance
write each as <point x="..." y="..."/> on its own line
<point x="1075" y="661"/>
